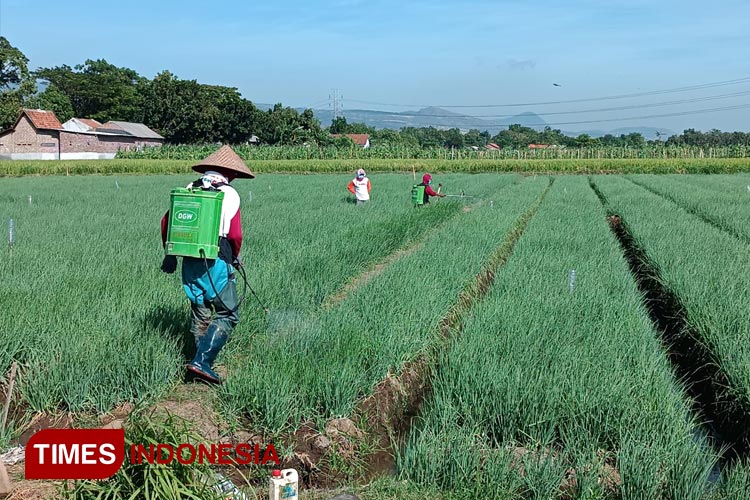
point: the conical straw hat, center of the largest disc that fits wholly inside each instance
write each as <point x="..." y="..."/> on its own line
<point x="225" y="160"/>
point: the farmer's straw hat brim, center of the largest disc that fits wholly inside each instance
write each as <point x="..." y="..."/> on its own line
<point x="225" y="160"/>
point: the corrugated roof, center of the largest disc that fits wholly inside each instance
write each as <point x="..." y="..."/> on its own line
<point x="135" y="129"/>
<point x="43" y="120"/>
<point x="108" y="129"/>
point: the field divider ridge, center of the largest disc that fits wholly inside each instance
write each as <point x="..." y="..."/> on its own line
<point x="397" y="399"/>
<point x="377" y="267"/>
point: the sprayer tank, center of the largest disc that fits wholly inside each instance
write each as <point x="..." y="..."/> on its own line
<point x="194" y="221"/>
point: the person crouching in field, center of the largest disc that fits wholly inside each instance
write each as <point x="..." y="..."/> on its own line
<point x="360" y="187"/>
<point x="210" y="284"/>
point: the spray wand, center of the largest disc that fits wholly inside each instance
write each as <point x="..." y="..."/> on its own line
<point x="241" y="269"/>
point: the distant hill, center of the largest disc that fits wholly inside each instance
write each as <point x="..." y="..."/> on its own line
<point x="429" y="117"/>
<point x="444" y="119"/>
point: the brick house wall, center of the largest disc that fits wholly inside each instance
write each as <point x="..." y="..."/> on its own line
<point x="25" y="142"/>
<point x="24" y="139"/>
<point x="80" y="145"/>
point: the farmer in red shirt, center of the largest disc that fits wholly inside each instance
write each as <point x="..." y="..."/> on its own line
<point x="428" y="191"/>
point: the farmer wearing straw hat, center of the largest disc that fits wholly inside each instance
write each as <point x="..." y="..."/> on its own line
<point x="210" y="284"/>
<point x="360" y="187"/>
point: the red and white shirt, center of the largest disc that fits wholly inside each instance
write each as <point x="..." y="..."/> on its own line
<point x="360" y="188"/>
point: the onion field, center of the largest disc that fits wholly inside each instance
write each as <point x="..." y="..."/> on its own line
<point x="545" y="336"/>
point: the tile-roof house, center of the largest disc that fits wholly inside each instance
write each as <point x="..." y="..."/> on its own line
<point x="42" y="120"/>
<point x="39" y="135"/>
<point x="36" y="134"/>
<point x="359" y="139"/>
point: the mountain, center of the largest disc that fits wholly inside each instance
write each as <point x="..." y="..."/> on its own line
<point x="444" y="119"/>
<point x="429" y="117"/>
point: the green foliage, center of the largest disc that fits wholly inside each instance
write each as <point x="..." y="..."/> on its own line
<point x="91" y="335"/>
<point x="383" y="322"/>
<point x="328" y="148"/>
<point x="184" y="111"/>
<point x="265" y="160"/>
<point x="15" y="82"/>
<point x="340" y="126"/>
<point x="172" y="481"/>
<point x="542" y="380"/>
<point x="699" y="260"/>
<point x="99" y="90"/>
<point x="282" y="126"/>
<point x="52" y="99"/>
<point x="712" y="138"/>
<point x="577" y="379"/>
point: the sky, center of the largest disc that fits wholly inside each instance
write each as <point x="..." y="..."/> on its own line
<point x="404" y="55"/>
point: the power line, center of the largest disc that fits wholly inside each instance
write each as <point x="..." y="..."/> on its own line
<point x="596" y="110"/>
<point x="318" y="103"/>
<point x="569" y="101"/>
<point x="664" y="115"/>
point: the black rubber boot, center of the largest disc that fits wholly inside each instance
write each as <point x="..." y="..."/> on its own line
<point x="208" y="348"/>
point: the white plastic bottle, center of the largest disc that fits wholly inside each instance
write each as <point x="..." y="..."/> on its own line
<point x="284" y="485"/>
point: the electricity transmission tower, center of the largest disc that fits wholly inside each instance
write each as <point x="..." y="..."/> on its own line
<point x="335" y="102"/>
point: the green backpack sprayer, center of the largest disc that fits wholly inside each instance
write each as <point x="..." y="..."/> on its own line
<point x="194" y="221"/>
<point x="417" y="195"/>
<point x="193" y="231"/>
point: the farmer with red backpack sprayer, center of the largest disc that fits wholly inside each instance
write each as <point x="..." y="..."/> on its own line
<point x="203" y="226"/>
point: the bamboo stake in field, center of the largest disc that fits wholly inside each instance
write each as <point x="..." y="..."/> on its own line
<point x="8" y="395"/>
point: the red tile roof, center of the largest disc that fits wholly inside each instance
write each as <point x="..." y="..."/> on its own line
<point x="44" y="120"/>
<point x="359" y="139"/>
<point x="90" y="122"/>
<point x="539" y="146"/>
<point x="492" y="145"/>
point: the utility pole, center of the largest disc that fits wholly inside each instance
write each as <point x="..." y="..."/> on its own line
<point x="335" y="99"/>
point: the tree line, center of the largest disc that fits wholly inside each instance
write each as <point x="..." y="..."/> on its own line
<point x="188" y="112"/>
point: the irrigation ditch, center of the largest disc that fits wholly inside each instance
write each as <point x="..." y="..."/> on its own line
<point x="725" y="421"/>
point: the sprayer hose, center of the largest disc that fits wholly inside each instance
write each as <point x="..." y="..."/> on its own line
<point x="241" y="272"/>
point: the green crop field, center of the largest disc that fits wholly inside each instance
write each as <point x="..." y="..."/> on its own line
<point x="548" y="336"/>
